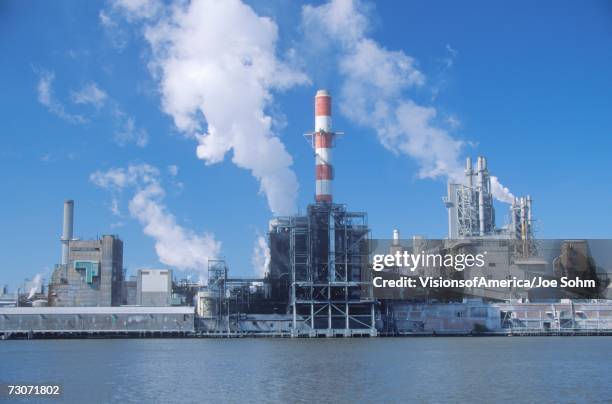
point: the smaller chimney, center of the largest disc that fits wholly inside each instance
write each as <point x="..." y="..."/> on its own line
<point x="67" y="230"/>
<point x="469" y="171"/>
<point x="396" y="237"/>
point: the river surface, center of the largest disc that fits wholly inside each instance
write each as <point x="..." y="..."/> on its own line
<point x="438" y="369"/>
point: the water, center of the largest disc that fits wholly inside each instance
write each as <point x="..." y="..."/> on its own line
<point x="498" y="369"/>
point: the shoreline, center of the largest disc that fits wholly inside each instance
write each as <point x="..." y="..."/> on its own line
<point x="45" y="335"/>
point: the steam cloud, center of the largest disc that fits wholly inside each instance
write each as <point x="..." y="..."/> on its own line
<point x="373" y="93"/>
<point x="36" y="285"/>
<point x="175" y="245"/>
<point x="217" y="67"/>
<point x="261" y="256"/>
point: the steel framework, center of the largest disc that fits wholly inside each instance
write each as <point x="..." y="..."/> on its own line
<point x="330" y="293"/>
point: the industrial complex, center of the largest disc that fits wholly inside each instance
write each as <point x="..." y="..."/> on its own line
<point x="319" y="279"/>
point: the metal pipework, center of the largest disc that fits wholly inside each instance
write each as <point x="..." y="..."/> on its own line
<point x="67" y="229"/>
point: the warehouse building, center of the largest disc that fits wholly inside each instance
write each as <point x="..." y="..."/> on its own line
<point x="53" y="320"/>
<point x="154" y="287"/>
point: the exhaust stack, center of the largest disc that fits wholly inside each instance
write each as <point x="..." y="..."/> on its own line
<point x="323" y="140"/>
<point x="68" y="228"/>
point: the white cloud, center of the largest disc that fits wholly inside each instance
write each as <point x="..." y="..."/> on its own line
<point x="117" y="178"/>
<point x="217" y="67"/>
<point x="117" y="225"/>
<point x="374" y="91"/>
<point x="115" y="207"/>
<point x="173" y="170"/>
<point x="47" y="98"/>
<point x="138" y="9"/>
<point x="415" y="135"/>
<point x="342" y="20"/>
<point x="131" y="10"/>
<point x="116" y="34"/>
<point x="106" y="19"/>
<point x="90" y="94"/>
<point x="260" y="259"/>
<point x="450" y="59"/>
<point x="128" y="132"/>
<point x="45" y="90"/>
<point x="175" y="245"/>
<point x="453" y="122"/>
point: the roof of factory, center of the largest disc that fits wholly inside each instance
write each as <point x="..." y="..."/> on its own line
<point x="98" y="310"/>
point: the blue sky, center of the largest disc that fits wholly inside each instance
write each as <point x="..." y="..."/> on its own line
<point x="526" y="84"/>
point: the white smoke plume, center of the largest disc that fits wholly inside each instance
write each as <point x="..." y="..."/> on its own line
<point x="261" y="256"/>
<point x="500" y="192"/>
<point x="175" y="245"/>
<point x="36" y="285"/>
<point x="374" y="87"/>
<point x="217" y="67"/>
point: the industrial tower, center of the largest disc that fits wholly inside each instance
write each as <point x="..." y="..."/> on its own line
<point x="324" y="255"/>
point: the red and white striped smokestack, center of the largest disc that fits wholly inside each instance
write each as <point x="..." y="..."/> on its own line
<point x="323" y="142"/>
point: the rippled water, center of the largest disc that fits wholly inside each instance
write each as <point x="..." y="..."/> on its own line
<point x="519" y="369"/>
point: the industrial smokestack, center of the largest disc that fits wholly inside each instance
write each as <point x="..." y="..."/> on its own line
<point x="529" y="217"/>
<point x="514" y="211"/>
<point x="481" y="163"/>
<point x="67" y="230"/>
<point x="323" y="141"/>
<point x="523" y="202"/>
<point x="469" y="171"/>
<point x="396" y="237"/>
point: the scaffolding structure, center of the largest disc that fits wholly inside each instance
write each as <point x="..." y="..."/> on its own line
<point x="330" y="293"/>
<point x="467" y="222"/>
<point x="217" y="287"/>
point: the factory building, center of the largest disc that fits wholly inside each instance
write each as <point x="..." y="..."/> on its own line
<point x="513" y="317"/>
<point x="154" y="287"/>
<point x="91" y="271"/>
<point x="471" y="213"/>
<point x="129" y="291"/>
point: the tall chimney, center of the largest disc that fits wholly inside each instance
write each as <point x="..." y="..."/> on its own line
<point x="469" y="172"/>
<point x="515" y="213"/>
<point x="67" y="230"/>
<point x="323" y="141"/>
<point x="481" y="194"/>
<point x="523" y="207"/>
<point x="529" y="217"/>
